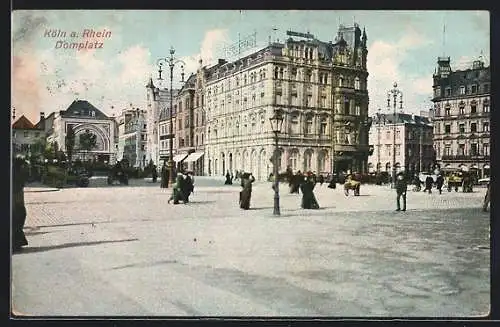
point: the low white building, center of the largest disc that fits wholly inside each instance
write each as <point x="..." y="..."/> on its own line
<point x="83" y="117"/>
<point x="413" y="147"/>
<point x="27" y="138"/>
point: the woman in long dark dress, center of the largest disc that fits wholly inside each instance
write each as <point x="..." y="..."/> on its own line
<point x="246" y="194"/>
<point x="164" y="176"/>
<point x="18" y="208"/>
<point x="308" y="198"/>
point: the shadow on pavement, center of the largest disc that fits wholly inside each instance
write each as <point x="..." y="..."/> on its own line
<point x="200" y="202"/>
<point x="28" y="233"/>
<point x="69" y="245"/>
<point x="93" y="223"/>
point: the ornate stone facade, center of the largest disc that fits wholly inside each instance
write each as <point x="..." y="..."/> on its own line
<point x="320" y="87"/>
<point x="83" y="117"/>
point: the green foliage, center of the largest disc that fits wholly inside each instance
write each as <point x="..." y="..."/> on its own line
<point x="88" y="141"/>
<point x="55" y="176"/>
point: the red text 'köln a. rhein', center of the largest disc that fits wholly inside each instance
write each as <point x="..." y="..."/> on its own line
<point x="88" y="38"/>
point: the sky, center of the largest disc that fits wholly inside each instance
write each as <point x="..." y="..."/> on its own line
<point x="403" y="47"/>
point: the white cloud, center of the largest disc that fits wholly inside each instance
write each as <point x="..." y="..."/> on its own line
<point x="384" y="67"/>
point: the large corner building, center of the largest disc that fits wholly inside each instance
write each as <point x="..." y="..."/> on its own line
<point x="321" y="89"/>
<point x="462" y="116"/>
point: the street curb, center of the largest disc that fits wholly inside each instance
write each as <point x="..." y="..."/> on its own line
<point x="44" y="190"/>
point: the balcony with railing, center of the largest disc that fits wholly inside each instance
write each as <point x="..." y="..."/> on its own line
<point x="463" y="157"/>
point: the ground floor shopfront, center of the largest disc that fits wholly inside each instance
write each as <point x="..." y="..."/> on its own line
<point x="258" y="160"/>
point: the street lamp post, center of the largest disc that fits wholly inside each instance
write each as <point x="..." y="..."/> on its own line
<point x="172" y="62"/>
<point x="394" y="93"/>
<point x="276" y="123"/>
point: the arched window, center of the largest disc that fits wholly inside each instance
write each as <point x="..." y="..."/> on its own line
<point x="341" y="81"/>
<point x="293" y="161"/>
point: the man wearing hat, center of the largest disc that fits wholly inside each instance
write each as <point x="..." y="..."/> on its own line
<point x="401" y="187"/>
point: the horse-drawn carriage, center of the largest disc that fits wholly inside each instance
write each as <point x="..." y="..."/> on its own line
<point x="351" y="183"/>
<point x="456" y="178"/>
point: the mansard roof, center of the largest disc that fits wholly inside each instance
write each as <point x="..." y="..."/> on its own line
<point x="402" y="118"/>
<point x="83" y="109"/>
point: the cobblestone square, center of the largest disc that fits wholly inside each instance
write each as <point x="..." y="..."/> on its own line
<point x="123" y="250"/>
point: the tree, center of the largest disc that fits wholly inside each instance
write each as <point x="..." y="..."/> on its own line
<point x="88" y="141"/>
<point x="70" y="142"/>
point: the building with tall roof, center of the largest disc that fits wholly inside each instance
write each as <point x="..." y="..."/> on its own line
<point x="27" y="138"/>
<point x="83" y="117"/>
<point x="462" y="116"/>
<point x="321" y="89"/>
<point x="414" y="143"/>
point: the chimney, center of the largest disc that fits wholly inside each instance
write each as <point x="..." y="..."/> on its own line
<point x="42" y="116"/>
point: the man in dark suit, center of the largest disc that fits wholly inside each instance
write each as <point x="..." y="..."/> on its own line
<point x="401" y="187"/>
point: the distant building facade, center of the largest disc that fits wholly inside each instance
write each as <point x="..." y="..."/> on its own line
<point x="320" y="87"/>
<point x="462" y="116"/>
<point x="414" y="143"/>
<point x="132" y="137"/>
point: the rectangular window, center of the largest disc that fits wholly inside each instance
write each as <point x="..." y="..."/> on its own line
<point x="447" y="150"/>
<point x="26" y="134"/>
<point x="278" y="98"/>
<point x="398" y="134"/>
<point x="486" y="149"/>
<point x="486" y="107"/>
<point x="388" y="149"/>
<point x="398" y="149"/>
<point x="486" y="88"/>
<point x="309" y="101"/>
<point x="295" y="100"/>
<point x="486" y="127"/>
<point x="473" y="108"/>
<point x="473" y="149"/>
<point x="323" y="101"/>
<point x="461" y="150"/>
<point x="461" y="128"/>
<point x="437" y="92"/>
<point x="358" y="110"/>
<point x="462" y="90"/>
<point x="474" y="89"/>
<point x="323" y="128"/>
<point x="473" y="128"/>
<point x="448" y="91"/>
<point x="388" y="135"/>
<point x="447" y="129"/>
